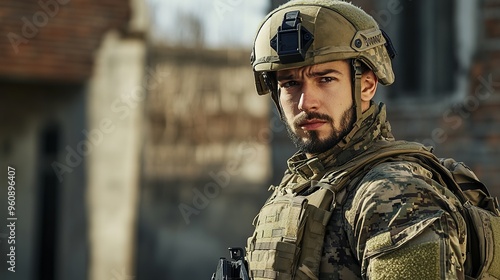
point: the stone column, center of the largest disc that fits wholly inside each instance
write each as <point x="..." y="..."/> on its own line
<point x="115" y="101"/>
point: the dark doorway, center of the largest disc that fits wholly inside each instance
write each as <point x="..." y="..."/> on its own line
<point x="48" y="208"/>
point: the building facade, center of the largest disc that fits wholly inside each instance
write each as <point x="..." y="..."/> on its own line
<point x="66" y="73"/>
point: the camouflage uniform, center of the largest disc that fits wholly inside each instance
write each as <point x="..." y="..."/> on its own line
<point x="393" y="221"/>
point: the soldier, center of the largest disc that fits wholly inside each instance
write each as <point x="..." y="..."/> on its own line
<point x="354" y="203"/>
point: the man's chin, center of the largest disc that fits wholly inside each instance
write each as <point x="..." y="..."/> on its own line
<point x="317" y="146"/>
<point x="313" y="141"/>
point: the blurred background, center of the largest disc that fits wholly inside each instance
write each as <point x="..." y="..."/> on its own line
<point x="141" y="150"/>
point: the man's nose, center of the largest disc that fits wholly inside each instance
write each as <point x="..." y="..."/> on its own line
<point x="308" y="99"/>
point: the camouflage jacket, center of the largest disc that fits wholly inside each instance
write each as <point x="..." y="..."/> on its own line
<point x="393" y="220"/>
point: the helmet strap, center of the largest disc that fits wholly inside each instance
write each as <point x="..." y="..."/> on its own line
<point x="356" y="89"/>
<point x="275" y="95"/>
<point x="269" y="78"/>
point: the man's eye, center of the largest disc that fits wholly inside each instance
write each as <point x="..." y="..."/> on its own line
<point x="289" y="84"/>
<point x="326" y="79"/>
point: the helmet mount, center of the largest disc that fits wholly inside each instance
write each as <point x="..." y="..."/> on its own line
<point x="292" y="40"/>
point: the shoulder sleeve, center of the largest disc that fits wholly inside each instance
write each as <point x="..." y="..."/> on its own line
<point x="404" y="225"/>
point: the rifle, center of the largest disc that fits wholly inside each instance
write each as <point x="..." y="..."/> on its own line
<point x="235" y="269"/>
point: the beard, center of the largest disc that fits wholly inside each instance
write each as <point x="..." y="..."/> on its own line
<point x="313" y="144"/>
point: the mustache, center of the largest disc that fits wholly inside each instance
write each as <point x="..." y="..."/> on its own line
<point x="305" y="116"/>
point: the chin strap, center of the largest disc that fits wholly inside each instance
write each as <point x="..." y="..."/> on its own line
<point x="356" y="91"/>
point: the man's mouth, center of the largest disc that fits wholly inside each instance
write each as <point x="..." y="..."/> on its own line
<point x="311" y="124"/>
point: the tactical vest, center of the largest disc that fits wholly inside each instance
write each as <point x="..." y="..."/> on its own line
<point x="290" y="229"/>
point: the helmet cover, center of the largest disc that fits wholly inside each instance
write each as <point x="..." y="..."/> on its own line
<point x="307" y="32"/>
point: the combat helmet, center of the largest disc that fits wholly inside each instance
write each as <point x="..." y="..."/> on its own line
<point x="306" y="32"/>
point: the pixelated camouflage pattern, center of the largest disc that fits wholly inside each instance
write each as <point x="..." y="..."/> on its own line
<point x="392" y="220"/>
<point x="401" y="202"/>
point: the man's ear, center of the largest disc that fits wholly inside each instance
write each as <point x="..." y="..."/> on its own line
<point x="369" y="84"/>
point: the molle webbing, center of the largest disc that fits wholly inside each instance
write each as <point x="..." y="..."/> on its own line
<point x="277" y="249"/>
<point x="272" y="250"/>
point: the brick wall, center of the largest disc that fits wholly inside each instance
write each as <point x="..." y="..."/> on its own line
<point x="55" y="40"/>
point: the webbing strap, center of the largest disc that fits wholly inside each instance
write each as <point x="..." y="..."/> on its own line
<point x="357" y="87"/>
<point x="280" y="246"/>
<point x="340" y="180"/>
<point x="307" y="271"/>
<point x="269" y="274"/>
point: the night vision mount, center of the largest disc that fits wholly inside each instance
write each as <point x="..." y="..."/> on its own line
<point x="292" y="40"/>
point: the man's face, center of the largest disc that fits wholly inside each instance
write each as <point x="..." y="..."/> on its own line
<point x="317" y="104"/>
